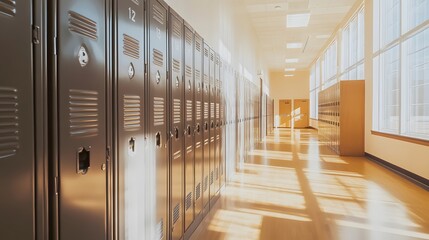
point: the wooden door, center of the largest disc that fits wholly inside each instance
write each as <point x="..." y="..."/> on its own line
<point x="300" y="113"/>
<point x="285" y="109"/>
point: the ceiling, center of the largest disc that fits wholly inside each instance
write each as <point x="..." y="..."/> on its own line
<point x="268" y="18"/>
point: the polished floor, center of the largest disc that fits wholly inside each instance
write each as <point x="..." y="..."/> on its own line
<point x="293" y="187"/>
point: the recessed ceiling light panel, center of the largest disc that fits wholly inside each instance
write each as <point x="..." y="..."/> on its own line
<point x="294" y="45"/>
<point x="291" y="60"/>
<point x="290" y="69"/>
<point x="297" y="20"/>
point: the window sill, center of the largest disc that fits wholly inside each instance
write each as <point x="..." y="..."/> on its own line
<point x="402" y="138"/>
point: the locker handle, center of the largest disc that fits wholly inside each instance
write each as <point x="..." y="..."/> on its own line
<point x="212" y="125"/>
<point x="132" y="145"/>
<point x="83" y="160"/>
<point x="158" y="140"/>
<point x="197" y="129"/>
<point x="188" y="130"/>
<point x="176" y="133"/>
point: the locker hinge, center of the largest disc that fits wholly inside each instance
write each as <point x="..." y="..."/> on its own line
<point x="56" y="186"/>
<point x="36" y="34"/>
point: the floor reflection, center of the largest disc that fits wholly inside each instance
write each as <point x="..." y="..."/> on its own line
<point x="293" y="187"/>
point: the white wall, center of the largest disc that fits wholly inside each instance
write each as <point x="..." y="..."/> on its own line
<point x="410" y="156"/>
<point x="281" y="87"/>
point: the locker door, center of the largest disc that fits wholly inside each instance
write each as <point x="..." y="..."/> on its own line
<point x="199" y="123"/>
<point x="217" y="125"/>
<point x="157" y="127"/>
<point x="189" y="126"/>
<point x="16" y="121"/>
<point x="206" y="126"/>
<point x="176" y="91"/>
<point x="82" y="86"/>
<point x="129" y="83"/>
<point x="212" y="124"/>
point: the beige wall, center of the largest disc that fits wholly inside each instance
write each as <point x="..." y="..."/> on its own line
<point x="412" y="157"/>
<point x="225" y="27"/>
<point x="281" y="87"/>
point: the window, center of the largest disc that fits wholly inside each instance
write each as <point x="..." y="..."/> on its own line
<point x="329" y="66"/>
<point x="401" y="67"/>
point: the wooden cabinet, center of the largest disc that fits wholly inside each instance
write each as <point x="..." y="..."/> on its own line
<point x="342" y="117"/>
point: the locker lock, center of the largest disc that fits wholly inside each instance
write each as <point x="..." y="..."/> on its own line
<point x="83" y="56"/>
<point x="206" y="126"/>
<point x="131" y="71"/>
<point x="198" y="128"/>
<point x="212" y="125"/>
<point x="176" y="133"/>
<point x="188" y="130"/>
<point x="158" y="77"/>
<point x="83" y="160"/>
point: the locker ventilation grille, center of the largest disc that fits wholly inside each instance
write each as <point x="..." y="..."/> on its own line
<point x="82" y="25"/>
<point x="211" y="57"/>
<point x="8" y="7"/>
<point x="158" y="111"/>
<point x="206" y="180"/>
<point x="188" y="38"/>
<point x="206" y="110"/>
<point x="160" y="229"/>
<point x="188" y="71"/>
<point x="188" y="200"/>
<point x="211" y="177"/>
<point x="188" y="110"/>
<point x="177" y="29"/>
<point x="206" y="52"/>
<point x="212" y="110"/>
<point x="83" y="107"/>
<point x="132" y="113"/>
<point x="131" y="47"/>
<point x="177" y="155"/>
<point x="176" y="111"/>
<point x="198" y="46"/>
<point x="206" y="141"/>
<point x="198" y="191"/>
<point x="206" y="79"/>
<point x="158" y="14"/>
<point x="217" y="110"/>
<point x="176" y="65"/>
<point x="9" y="126"/>
<point x="198" y="110"/>
<point x="197" y="145"/>
<point x="158" y="57"/>
<point x="176" y="213"/>
<point x="197" y="74"/>
<point x="136" y="2"/>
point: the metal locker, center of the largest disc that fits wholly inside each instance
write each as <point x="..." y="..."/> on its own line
<point x="222" y="167"/>
<point x="157" y="146"/>
<point x="206" y="126"/>
<point x="217" y="124"/>
<point x="82" y="81"/>
<point x="17" y="146"/>
<point x="176" y="93"/>
<point x="199" y="125"/>
<point x="212" y="124"/>
<point x="189" y="125"/>
<point x="129" y="81"/>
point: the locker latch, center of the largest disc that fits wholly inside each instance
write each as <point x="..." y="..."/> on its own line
<point x="158" y="140"/>
<point x="83" y="56"/>
<point x="131" y="71"/>
<point x="36" y="34"/>
<point x="132" y="145"/>
<point x="158" y="77"/>
<point x="83" y="161"/>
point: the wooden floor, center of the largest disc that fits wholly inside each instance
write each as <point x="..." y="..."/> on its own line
<point x="293" y="187"/>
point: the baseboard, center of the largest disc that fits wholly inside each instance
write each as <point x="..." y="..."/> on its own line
<point x="416" y="179"/>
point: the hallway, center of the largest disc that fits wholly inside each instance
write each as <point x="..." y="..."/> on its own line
<point x="294" y="187"/>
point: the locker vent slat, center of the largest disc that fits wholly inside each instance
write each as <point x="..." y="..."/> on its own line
<point x="188" y="110"/>
<point x="176" y="213"/>
<point x="158" y="57"/>
<point x="176" y="65"/>
<point x="158" y="14"/>
<point x="8" y="7"/>
<point x="197" y="145"/>
<point x="188" y="203"/>
<point x="132" y="113"/>
<point x="206" y="52"/>
<point x="177" y="155"/>
<point x="211" y="177"/>
<point x="158" y="111"/>
<point x="217" y="110"/>
<point x="198" y="191"/>
<point x="197" y="74"/>
<point x="136" y="2"/>
<point x="189" y="149"/>
<point x="9" y="122"/>
<point x="206" y="181"/>
<point x="212" y="110"/>
<point x="188" y="38"/>
<point x="198" y="110"/>
<point x="177" y="29"/>
<point x="83" y="113"/>
<point x="198" y="46"/>
<point x="131" y="47"/>
<point x="176" y="111"/>
<point x="206" y="110"/>
<point x="82" y="25"/>
<point x="211" y="57"/>
<point x="188" y="71"/>
<point x="160" y="229"/>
